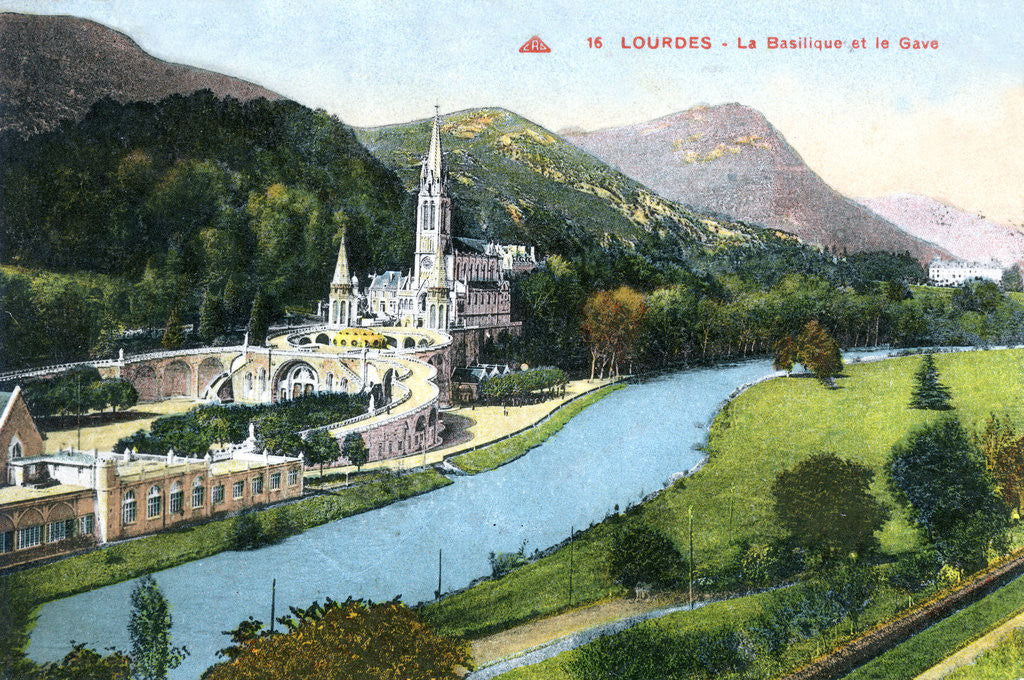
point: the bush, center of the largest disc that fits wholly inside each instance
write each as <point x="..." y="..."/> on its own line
<point x="248" y="532"/>
<point x="642" y="554"/>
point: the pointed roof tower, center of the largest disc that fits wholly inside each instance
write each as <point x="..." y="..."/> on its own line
<point x="432" y="169"/>
<point x="342" y="277"/>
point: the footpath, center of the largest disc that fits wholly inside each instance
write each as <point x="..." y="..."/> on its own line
<point x="972" y="651"/>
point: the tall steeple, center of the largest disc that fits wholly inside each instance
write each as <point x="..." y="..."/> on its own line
<point x="432" y="170"/>
<point x="342" y="306"/>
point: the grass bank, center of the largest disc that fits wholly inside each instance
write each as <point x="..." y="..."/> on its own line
<point x="130" y="559"/>
<point x="939" y="641"/>
<point x="771" y="427"/>
<point x="1005" y="660"/>
<point x="507" y="450"/>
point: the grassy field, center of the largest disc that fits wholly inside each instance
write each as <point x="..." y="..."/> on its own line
<point x="131" y="559"/>
<point x="103" y="437"/>
<point x="508" y="450"/>
<point x="928" y="648"/>
<point x="1006" y="660"/>
<point x="769" y="428"/>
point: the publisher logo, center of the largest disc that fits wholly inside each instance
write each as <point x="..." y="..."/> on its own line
<point x="534" y="45"/>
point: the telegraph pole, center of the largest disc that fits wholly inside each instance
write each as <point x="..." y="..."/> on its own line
<point x="78" y="407"/>
<point x="439" y="573"/>
<point x="572" y="531"/>
<point x="273" y="602"/>
<point x="690" y="513"/>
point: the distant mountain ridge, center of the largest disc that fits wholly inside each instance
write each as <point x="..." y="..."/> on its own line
<point x="730" y="160"/>
<point x="964" y="234"/>
<point x="56" y="67"/>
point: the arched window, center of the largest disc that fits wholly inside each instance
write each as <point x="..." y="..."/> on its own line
<point x="248" y="383"/>
<point x="334" y="316"/>
<point x="177" y="497"/>
<point x="330" y="382"/>
<point x="433" y="216"/>
<point x="197" y="493"/>
<point x="153" y="499"/>
<point x="263" y="380"/>
<point x="128" y="508"/>
<point x="16" y="450"/>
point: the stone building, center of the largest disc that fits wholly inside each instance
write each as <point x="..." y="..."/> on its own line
<point x="453" y="283"/>
<point x="56" y="503"/>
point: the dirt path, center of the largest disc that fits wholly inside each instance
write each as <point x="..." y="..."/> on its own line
<point x="969" y="653"/>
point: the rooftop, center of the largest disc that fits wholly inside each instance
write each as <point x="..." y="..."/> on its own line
<point x="15" y="494"/>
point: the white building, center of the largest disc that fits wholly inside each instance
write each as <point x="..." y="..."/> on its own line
<point x="955" y="272"/>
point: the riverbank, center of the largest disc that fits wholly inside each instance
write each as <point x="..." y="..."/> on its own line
<point x="130" y="559"/>
<point x="752" y="439"/>
<point x="513" y="446"/>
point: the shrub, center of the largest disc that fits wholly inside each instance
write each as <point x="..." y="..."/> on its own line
<point x="642" y="554"/>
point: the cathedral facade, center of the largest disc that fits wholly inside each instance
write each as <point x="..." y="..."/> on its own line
<point x="453" y="282"/>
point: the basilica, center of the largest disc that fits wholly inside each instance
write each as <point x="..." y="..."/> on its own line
<point x="453" y="283"/>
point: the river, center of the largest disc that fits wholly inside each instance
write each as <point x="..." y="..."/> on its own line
<point x="614" y="453"/>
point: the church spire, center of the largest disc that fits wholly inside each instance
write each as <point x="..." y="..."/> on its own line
<point x="433" y="163"/>
<point x="341" y="273"/>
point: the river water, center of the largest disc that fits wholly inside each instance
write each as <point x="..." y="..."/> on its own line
<point x="615" y="452"/>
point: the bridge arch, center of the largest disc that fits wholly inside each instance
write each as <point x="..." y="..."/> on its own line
<point x="147" y="384"/>
<point x="209" y="369"/>
<point x="176" y="379"/>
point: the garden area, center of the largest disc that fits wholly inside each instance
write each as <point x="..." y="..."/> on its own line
<point x="195" y="432"/>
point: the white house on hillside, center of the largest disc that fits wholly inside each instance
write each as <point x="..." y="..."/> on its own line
<point x="955" y="272"/>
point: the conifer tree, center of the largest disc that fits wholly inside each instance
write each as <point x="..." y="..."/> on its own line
<point x="928" y="392"/>
<point x="149" y="627"/>
<point x="174" y="334"/>
<point x="259" y="320"/>
<point x="211" y="317"/>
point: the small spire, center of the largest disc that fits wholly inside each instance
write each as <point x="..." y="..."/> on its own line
<point x="341" y="273"/>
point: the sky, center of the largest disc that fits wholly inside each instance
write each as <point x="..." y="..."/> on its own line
<point x="945" y="122"/>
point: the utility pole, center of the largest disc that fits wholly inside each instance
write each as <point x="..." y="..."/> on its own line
<point x="78" y="407"/>
<point x="273" y="602"/>
<point x="572" y="531"/>
<point x="690" y="513"/>
<point x="439" y="573"/>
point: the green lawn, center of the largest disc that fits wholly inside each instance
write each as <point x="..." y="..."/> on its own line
<point x="507" y="450"/>
<point x="1005" y="660"/>
<point x="928" y="648"/>
<point x="769" y="428"/>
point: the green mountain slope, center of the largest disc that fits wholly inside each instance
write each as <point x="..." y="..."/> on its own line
<point x="514" y="181"/>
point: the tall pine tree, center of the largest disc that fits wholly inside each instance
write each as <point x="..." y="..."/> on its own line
<point x="174" y="333"/>
<point x="259" y="320"/>
<point x="149" y="627"/>
<point x="928" y="392"/>
<point x="211" y="317"/>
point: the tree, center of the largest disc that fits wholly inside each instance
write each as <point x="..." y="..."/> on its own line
<point x="211" y="317"/>
<point x="941" y="477"/>
<point x="259" y="319"/>
<point x="1004" y="457"/>
<point x="928" y="392"/>
<point x="82" y="663"/>
<point x="825" y="504"/>
<point x="174" y="333"/>
<point x="120" y="393"/>
<point x="612" y="321"/>
<point x="149" y="628"/>
<point x="819" y="353"/>
<point x="351" y="639"/>
<point x="786" y="354"/>
<point x="1012" y="279"/>
<point x="354" y="449"/>
<point x="642" y="554"/>
<point x="321" y="448"/>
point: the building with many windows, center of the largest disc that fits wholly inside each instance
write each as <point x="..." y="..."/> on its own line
<point x="56" y="503"/>
<point x="956" y="272"/>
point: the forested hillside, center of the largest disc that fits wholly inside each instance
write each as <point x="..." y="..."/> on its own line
<point x="183" y="199"/>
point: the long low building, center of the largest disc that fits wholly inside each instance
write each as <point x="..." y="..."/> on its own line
<point x="956" y="272"/>
<point x="52" y="504"/>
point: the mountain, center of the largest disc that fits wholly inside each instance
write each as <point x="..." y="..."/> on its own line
<point x="964" y="234"/>
<point x="730" y="160"/>
<point x="514" y="181"/>
<point x="56" y="67"/>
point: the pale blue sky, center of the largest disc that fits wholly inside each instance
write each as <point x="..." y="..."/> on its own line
<point x="869" y="121"/>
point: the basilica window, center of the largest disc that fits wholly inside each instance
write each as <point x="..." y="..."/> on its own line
<point x="197" y="493"/>
<point x="153" y="502"/>
<point x="128" y="508"/>
<point x="177" y="497"/>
